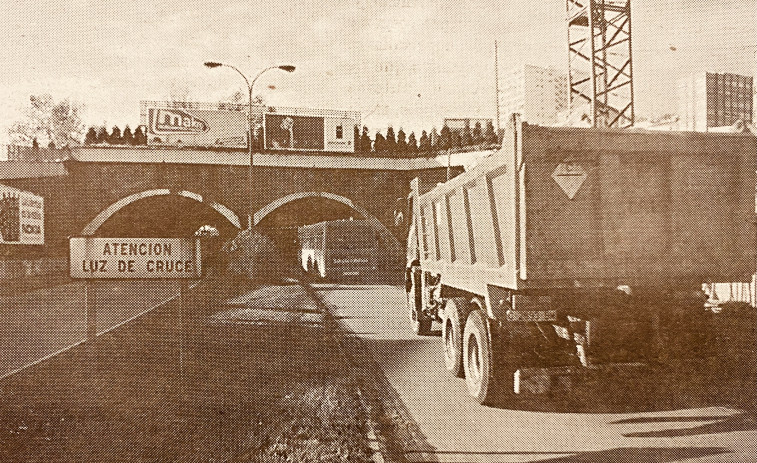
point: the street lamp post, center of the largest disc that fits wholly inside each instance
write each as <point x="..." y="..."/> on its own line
<point x="250" y="121"/>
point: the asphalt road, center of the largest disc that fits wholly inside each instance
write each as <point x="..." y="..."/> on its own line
<point x="39" y="323"/>
<point x="454" y="428"/>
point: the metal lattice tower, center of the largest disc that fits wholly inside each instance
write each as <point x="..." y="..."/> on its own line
<point x="600" y="68"/>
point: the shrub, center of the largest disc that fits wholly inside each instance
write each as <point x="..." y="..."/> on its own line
<point x="253" y="255"/>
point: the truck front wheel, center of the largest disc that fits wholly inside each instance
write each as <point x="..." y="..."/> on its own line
<point x="478" y="359"/>
<point x="452" y="335"/>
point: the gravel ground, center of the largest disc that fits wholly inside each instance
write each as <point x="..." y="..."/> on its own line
<point x="259" y="378"/>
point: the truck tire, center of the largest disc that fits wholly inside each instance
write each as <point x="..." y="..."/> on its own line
<point x="478" y="359"/>
<point x="455" y="312"/>
<point x="419" y="323"/>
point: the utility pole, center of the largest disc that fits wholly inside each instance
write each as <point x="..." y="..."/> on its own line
<point x="496" y="82"/>
<point x="250" y="126"/>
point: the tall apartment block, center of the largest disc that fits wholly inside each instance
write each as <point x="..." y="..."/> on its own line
<point x="707" y="99"/>
<point x="538" y="94"/>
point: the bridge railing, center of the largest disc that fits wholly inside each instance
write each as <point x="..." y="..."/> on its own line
<point x="35" y="153"/>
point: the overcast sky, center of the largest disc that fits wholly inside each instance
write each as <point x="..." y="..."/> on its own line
<point x="405" y="62"/>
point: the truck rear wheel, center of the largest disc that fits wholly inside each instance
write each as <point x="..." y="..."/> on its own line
<point x="419" y="323"/>
<point x="452" y="335"/>
<point x="478" y="359"/>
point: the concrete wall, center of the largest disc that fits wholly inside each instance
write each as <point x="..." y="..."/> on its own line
<point x="74" y="200"/>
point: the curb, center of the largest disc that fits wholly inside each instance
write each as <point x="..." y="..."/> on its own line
<point x="373" y="440"/>
<point x="376" y="442"/>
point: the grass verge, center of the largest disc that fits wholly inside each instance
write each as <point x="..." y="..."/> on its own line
<point x="267" y="391"/>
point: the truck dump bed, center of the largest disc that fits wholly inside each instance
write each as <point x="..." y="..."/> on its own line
<point x="565" y="207"/>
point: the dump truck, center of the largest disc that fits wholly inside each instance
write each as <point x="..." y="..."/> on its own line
<point x="574" y="248"/>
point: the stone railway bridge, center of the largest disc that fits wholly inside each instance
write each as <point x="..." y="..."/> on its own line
<point x="147" y="191"/>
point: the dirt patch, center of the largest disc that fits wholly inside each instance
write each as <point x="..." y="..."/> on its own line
<point x="267" y="392"/>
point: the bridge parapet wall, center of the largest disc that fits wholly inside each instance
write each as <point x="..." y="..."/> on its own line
<point x="72" y="201"/>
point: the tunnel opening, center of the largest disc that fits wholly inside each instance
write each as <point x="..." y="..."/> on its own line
<point x="171" y="216"/>
<point x="282" y="225"/>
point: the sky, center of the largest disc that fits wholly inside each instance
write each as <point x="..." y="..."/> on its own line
<point x="408" y="63"/>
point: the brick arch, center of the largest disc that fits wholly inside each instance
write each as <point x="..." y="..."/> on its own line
<point x="370" y="218"/>
<point x="109" y="211"/>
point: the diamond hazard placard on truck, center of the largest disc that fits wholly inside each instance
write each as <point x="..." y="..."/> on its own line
<point x="569" y="176"/>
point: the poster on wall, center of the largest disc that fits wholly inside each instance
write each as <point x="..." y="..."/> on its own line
<point x="22" y="217"/>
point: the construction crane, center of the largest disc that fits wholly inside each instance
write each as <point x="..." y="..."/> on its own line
<point x="600" y="69"/>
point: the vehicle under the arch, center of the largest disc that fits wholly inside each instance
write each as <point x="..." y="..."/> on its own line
<point x="339" y="248"/>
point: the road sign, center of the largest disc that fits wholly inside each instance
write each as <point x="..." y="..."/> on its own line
<point x="146" y="258"/>
<point x="569" y="176"/>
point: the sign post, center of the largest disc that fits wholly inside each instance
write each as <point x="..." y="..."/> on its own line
<point x="134" y="258"/>
<point x="90" y="305"/>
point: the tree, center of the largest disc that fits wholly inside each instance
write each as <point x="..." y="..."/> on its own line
<point x="391" y="140"/>
<point x="49" y="121"/>
<point x="128" y="137"/>
<point x="365" y="141"/>
<point x="401" y="142"/>
<point x="457" y="140"/>
<point x="102" y="134"/>
<point x="91" y="137"/>
<point x="489" y="136"/>
<point x="424" y="144"/>
<point x="115" y="136"/>
<point x="478" y="136"/>
<point x="445" y="138"/>
<point x="140" y="137"/>
<point x="466" y="139"/>
<point x="434" y="139"/>
<point x="356" y="139"/>
<point x="412" y="144"/>
<point x="379" y="143"/>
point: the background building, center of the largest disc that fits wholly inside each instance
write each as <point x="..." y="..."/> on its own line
<point x="707" y="99"/>
<point x="538" y="94"/>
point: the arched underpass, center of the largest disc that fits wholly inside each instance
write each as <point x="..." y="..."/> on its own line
<point x="164" y="216"/>
<point x="153" y="214"/>
<point x="161" y="213"/>
<point x="280" y="220"/>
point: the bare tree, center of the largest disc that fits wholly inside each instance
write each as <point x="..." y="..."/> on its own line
<point x="48" y="121"/>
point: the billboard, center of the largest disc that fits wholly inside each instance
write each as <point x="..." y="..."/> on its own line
<point x="308" y="133"/>
<point x="22" y="217"/>
<point x="195" y="127"/>
<point x="95" y="258"/>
